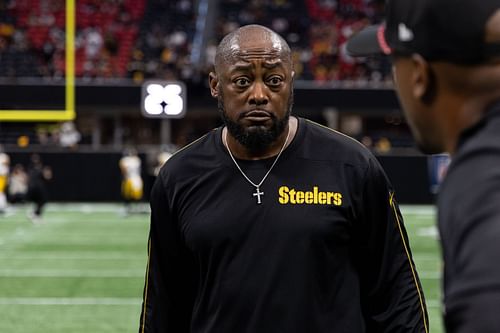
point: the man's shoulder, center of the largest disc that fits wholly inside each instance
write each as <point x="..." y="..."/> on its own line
<point x="200" y="153"/>
<point x="335" y="145"/>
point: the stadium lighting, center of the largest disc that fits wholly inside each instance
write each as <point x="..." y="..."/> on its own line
<point x="163" y="99"/>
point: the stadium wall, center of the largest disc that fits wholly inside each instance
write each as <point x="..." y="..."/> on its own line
<point x="125" y="95"/>
<point x="95" y="177"/>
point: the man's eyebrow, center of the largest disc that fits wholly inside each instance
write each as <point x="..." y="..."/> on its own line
<point x="272" y="65"/>
<point x="240" y="67"/>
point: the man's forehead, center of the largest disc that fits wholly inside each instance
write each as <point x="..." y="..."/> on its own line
<point x="253" y="43"/>
<point x="256" y="39"/>
<point x="267" y="55"/>
<point x="269" y="51"/>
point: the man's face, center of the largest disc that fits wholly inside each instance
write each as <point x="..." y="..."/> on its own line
<point x="421" y="117"/>
<point x="254" y="88"/>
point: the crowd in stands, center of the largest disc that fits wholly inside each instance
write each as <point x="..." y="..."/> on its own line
<point x="332" y="23"/>
<point x="316" y="31"/>
<point x="32" y="37"/>
<point x="163" y="46"/>
<point x="142" y="39"/>
<point x="154" y="39"/>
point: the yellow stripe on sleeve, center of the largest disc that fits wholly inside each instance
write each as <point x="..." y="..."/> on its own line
<point x="422" y="308"/>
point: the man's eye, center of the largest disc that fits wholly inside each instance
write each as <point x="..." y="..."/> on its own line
<point x="275" y="81"/>
<point x="242" y="82"/>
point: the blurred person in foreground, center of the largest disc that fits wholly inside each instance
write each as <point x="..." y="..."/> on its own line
<point x="38" y="176"/>
<point x="273" y="223"/>
<point x="132" y="185"/>
<point x="4" y="178"/>
<point x="446" y="62"/>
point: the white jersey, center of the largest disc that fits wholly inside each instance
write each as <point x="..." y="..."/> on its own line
<point x="4" y="164"/>
<point x="131" y="166"/>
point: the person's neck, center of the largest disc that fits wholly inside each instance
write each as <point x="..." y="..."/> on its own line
<point x="241" y="152"/>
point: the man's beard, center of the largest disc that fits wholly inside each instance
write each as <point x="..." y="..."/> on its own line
<point x="256" y="138"/>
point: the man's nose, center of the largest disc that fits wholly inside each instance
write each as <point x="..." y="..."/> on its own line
<point x="258" y="94"/>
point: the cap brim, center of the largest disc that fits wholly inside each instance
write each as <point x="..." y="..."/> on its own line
<point x="367" y="42"/>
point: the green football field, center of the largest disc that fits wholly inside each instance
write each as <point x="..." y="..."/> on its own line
<point x="82" y="270"/>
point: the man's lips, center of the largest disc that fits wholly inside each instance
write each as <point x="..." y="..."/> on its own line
<point x="257" y="115"/>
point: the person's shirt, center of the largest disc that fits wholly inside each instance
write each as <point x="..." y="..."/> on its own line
<point x="4" y="164"/>
<point x="469" y="224"/>
<point x="18" y="183"/>
<point x="325" y="251"/>
<point x="130" y="166"/>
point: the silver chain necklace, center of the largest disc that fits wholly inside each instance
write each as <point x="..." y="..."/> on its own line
<point x="257" y="192"/>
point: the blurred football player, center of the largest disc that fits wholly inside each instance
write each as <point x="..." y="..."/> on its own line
<point x="4" y="175"/>
<point x="132" y="184"/>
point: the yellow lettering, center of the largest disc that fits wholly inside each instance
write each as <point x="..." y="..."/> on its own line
<point x="292" y="197"/>
<point x="283" y="192"/>
<point x="300" y="197"/>
<point x="329" y="196"/>
<point x="322" y="198"/>
<point x="337" y="199"/>
<point x="309" y="197"/>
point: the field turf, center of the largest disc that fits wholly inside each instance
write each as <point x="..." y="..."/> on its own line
<point x="82" y="270"/>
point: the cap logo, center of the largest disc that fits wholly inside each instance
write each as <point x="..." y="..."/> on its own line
<point x="404" y="33"/>
<point x="386" y="49"/>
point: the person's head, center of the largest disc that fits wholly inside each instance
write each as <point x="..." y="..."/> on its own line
<point x="129" y="151"/>
<point x="253" y="83"/>
<point x="446" y="63"/>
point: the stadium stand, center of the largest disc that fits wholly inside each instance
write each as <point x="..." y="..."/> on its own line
<point x="125" y="42"/>
<point x="142" y="39"/>
<point x="162" y="49"/>
<point x="289" y="18"/>
<point x="332" y="23"/>
<point x="33" y="33"/>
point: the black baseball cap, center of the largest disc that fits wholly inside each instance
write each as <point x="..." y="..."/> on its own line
<point x="438" y="30"/>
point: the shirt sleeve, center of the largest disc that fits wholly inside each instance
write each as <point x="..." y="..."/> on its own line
<point x="392" y="296"/>
<point x="170" y="276"/>
<point x="473" y="246"/>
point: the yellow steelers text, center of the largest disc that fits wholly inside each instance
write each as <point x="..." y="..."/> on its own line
<point x="315" y="197"/>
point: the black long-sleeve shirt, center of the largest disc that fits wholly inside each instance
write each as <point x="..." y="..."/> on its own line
<point x="469" y="223"/>
<point x="325" y="251"/>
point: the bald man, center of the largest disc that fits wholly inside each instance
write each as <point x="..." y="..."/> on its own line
<point x="447" y="74"/>
<point x="272" y="223"/>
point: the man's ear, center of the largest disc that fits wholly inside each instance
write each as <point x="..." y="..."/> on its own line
<point x="423" y="80"/>
<point x="213" y="82"/>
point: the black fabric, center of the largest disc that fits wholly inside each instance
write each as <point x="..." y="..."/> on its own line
<point x="469" y="223"/>
<point x="37" y="189"/>
<point x="221" y="263"/>
<point x="439" y="30"/>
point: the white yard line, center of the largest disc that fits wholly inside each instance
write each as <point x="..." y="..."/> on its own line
<point x="431" y="303"/>
<point x="87" y="273"/>
<point x="93" y="207"/>
<point x="426" y="257"/>
<point x="71" y="256"/>
<point x="69" y="301"/>
<point x="429" y="275"/>
<point x="418" y="210"/>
